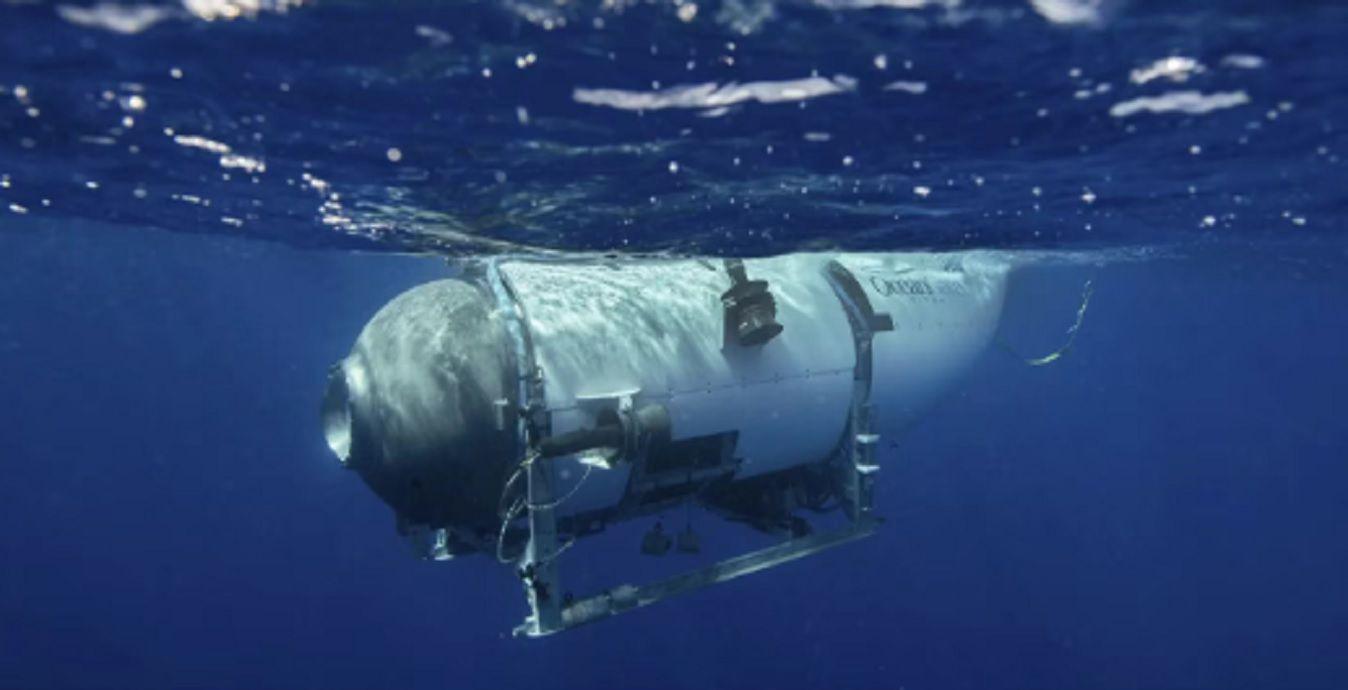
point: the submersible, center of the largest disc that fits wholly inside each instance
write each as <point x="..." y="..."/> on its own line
<point x="526" y="403"/>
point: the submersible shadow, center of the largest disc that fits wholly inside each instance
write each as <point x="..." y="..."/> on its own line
<point x="527" y="403"/>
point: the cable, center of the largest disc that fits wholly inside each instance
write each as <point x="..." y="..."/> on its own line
<point x="1054" y="356"/>
<point x="510" y="516"/>
<point x="513" y="512"/>
<point x="560" y="550"/>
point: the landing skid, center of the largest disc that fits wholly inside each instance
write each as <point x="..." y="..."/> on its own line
<point x="624" y="598"/>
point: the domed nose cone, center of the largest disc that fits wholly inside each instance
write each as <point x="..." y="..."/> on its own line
<point x="412" y="409"/>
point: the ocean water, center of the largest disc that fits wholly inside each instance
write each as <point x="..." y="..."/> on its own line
<point x="201" y="203"/>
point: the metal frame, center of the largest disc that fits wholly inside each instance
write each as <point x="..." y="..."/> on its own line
<point x="624" y="598"/>
<point x="537" y="566"/>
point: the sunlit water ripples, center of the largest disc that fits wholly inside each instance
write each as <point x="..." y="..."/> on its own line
<point x="744" y="126"/>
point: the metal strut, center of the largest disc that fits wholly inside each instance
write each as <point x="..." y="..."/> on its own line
<point x="856" y="472"/>
<point x="537" y="566"/>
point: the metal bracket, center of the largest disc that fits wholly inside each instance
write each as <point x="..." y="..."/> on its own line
<point x="537" y="567"/>
<point x="620" y="403"/>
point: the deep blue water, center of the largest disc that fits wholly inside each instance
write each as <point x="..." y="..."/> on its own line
<point x="196" y="218"/>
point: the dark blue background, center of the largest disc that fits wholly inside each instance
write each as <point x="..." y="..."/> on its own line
<point x="1161" y="509"/>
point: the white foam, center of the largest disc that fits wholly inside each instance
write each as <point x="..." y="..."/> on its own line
<point x="1187" y="102"/>
<point x="1174" y="68"/>
<point x="1070" y="11"/>
<point x="196" y="142"/>
<point x="226" y="10"/>
<point x="121" y="19"/>
<point x="246" y="163"/>
<point x="916" y="88"/>
<point x="892" y="4"/>
<point x="1243" y="61"/>
<point x="711" y="95"/>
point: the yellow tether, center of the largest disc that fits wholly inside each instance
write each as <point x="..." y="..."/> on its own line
<point x="1071" y="334"/>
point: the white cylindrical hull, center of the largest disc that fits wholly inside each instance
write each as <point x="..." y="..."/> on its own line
<point x="653" y="331"/>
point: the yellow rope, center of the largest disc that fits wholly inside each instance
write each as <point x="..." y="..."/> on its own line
<point x="1071" y="334"/>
